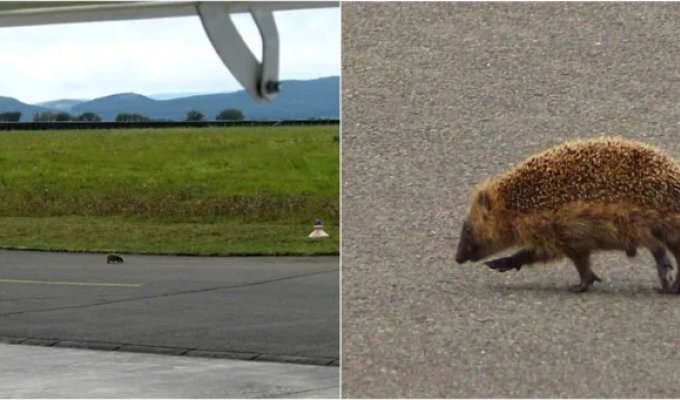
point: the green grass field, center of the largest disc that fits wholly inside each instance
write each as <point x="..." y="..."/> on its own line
<point x="218" y="191"/>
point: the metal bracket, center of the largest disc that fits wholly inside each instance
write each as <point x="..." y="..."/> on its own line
<point x="261" y="79"/>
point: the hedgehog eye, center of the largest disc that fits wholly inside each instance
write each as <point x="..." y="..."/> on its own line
<point x="467" y="230"/>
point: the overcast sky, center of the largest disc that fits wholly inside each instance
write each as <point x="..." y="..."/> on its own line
<point x="89" y="60"/>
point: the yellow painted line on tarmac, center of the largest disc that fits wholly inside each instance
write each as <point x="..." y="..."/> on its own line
<point x="32" y="282"/>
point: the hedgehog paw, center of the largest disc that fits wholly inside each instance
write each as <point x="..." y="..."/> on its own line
<point x="585" y="283"/>
<point x="496" y="264"/>
<point x="507" y="268"/>
<point x="580" y="288"/>
<point x="663" y="290"/>
<point x="504" y="264"/>
<point x="673" y="288"/>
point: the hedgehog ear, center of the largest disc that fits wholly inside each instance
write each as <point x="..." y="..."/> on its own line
<point x="484" y="200"/>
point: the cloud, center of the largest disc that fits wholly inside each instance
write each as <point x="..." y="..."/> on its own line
<point x="88" y="60"/>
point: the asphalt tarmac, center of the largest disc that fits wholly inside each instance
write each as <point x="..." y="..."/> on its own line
<point x="437" y="97"/>
<point x="260" y="308"/>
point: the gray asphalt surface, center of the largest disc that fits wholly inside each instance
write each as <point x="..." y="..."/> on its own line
<point x="264" y="308"/>
<point x="48" y="372"/>
<point x="437" y="97"/>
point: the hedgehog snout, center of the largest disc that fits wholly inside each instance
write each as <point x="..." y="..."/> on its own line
<point x="467" y="247"/>
<point x="467" y="252"/>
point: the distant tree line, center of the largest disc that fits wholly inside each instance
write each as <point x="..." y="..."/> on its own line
<point x="230" y="114"/>
<point x="125" y="117"/>
<point x="63" y="116"/>
<point x="12" y="116"/>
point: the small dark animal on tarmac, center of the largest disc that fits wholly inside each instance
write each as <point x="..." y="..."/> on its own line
<point x="112" y="258"/>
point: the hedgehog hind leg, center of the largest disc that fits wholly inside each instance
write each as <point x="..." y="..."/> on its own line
<point x="675" y="286"/>
<point x="663" y="267"/>
<point x="656" y="245"/>
<point x="588" y="277"/>
<point x="667" y="234"/>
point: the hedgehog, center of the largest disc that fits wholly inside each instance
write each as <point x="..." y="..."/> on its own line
<point x="114" y="258"/>
<point x="583" y="196"/>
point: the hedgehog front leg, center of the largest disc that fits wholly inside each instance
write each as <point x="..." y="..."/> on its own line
<point x="588" y="277"/>
<point x="516" y="261"/>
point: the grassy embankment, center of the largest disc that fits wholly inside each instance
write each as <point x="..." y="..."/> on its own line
<point x="209" y="191"/>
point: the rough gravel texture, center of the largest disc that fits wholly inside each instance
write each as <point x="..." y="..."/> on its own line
<point x="436" y="97"/>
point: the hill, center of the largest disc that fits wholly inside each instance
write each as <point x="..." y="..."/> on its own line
<point x="177" y="95"/>
<point x="317" y="98"/>
<point x="61" y="104"/>
<point x="9" y="104"/>
<point x="109" y="106"/>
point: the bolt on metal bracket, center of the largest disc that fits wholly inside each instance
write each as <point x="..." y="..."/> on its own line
<point x="261" y="79"/>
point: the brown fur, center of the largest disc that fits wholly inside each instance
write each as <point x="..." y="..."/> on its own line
<point x="601" y="194"/>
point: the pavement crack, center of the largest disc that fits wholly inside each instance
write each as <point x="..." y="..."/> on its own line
<point x="288" y="394"/>
<point x="129" y="347"/>
<point x="10" y="300"/>
<point x="157" y="296"/>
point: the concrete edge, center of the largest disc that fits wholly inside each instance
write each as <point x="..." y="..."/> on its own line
<point x="177" y="254"/>
<point x="174" y="351"/>
<point x="295" y="359"/>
